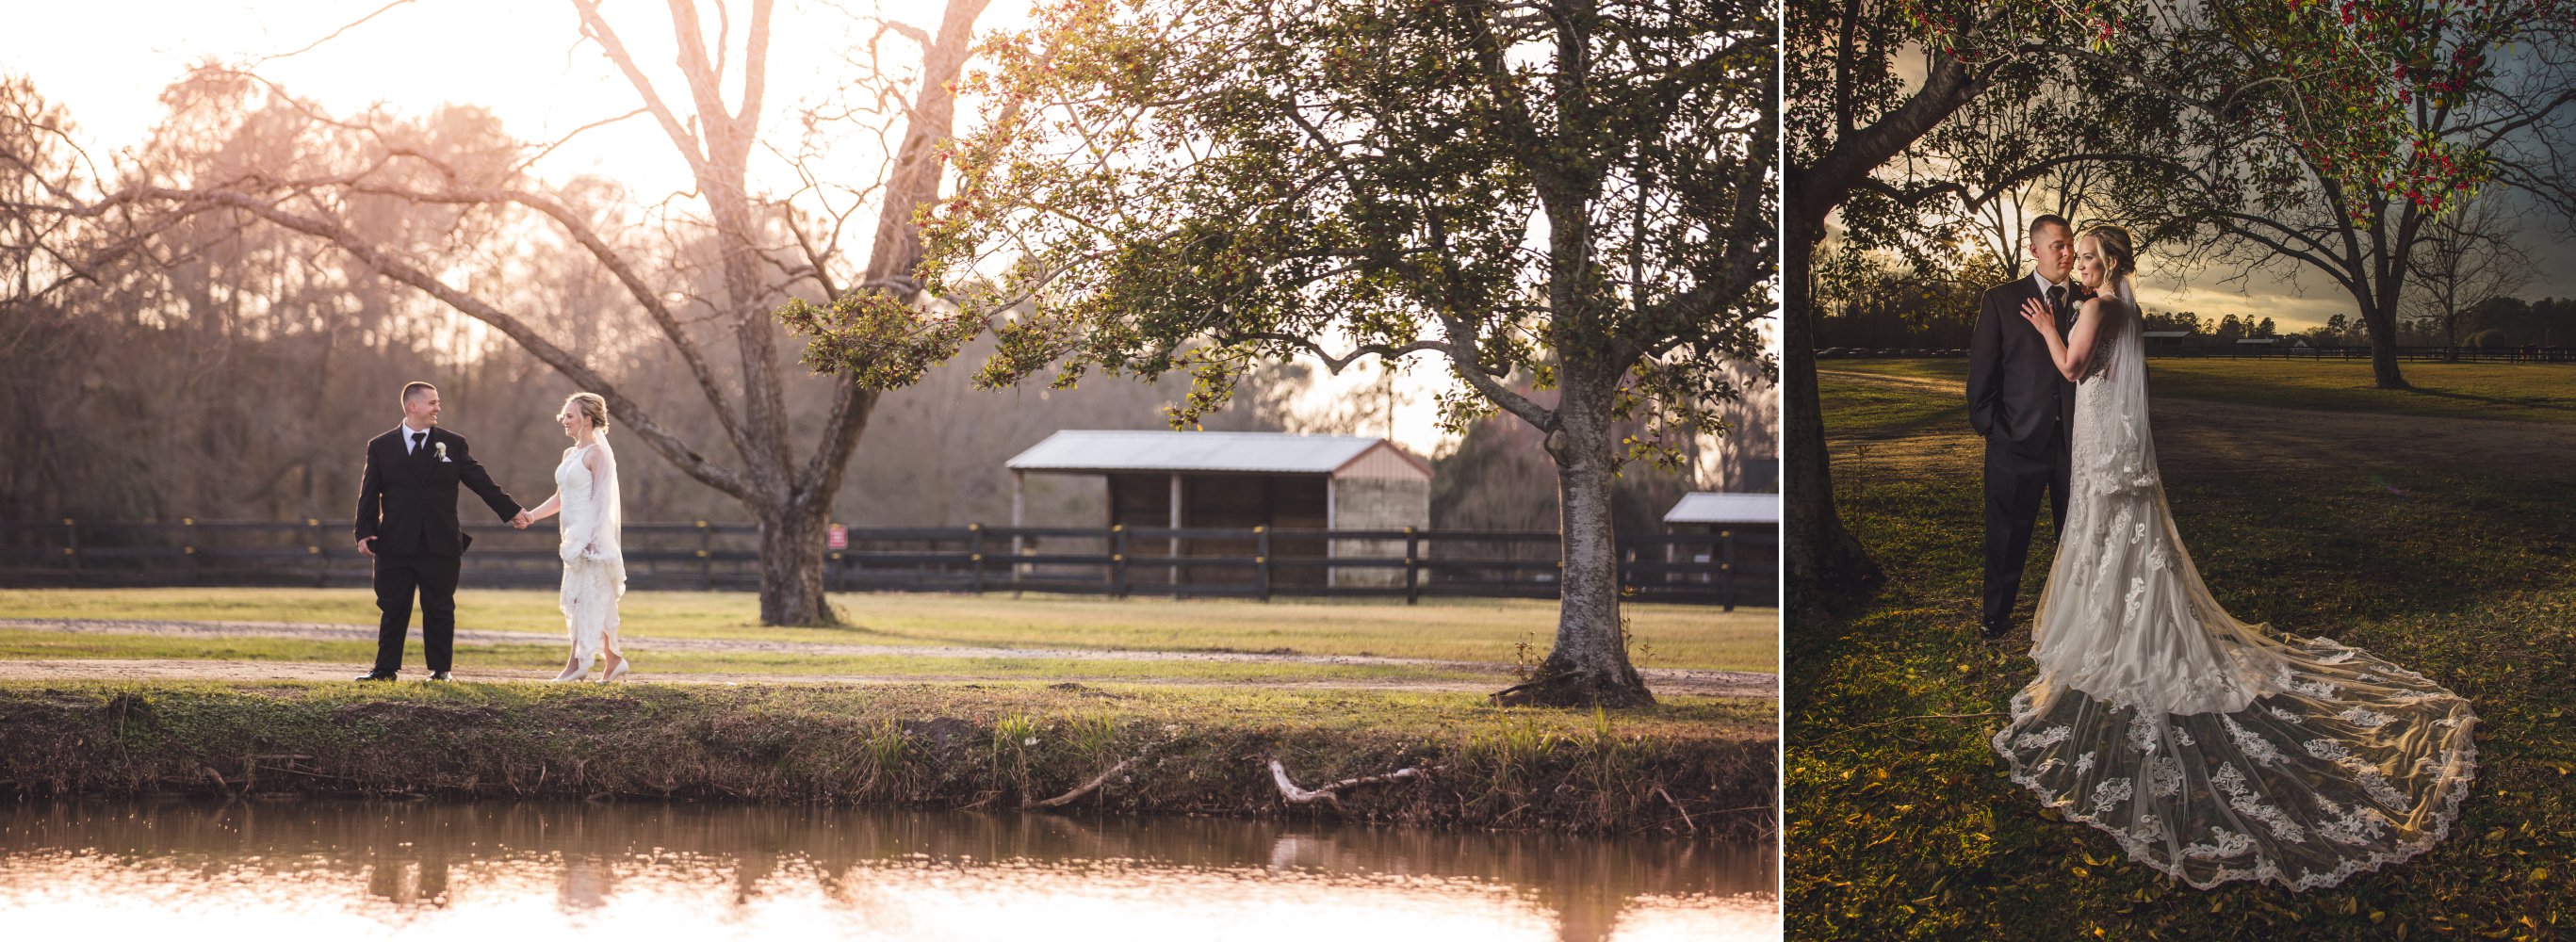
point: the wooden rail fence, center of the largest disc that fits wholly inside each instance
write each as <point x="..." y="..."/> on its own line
<point x="1726" y="568"/>
<point x="2258" y="352"/>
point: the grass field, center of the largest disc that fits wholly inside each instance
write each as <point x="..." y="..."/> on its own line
<point x="2309" y="501"/>
<point x="1673" y="636"/>
<point x="2521" y="392"/>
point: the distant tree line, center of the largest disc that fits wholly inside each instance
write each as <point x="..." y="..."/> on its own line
<point x="1867" y="301"/>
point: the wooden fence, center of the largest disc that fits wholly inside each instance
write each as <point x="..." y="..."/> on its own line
<point x="2260" y="352"/>
<point x="1726" y="568"/>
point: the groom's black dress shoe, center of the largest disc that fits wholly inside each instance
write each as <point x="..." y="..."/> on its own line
<point x="440" y="675"/>
<point x="376" y="675"/>
<point x="1993" y="630"/>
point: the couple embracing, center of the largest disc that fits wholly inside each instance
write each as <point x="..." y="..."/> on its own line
<point x="2210" y="749"/>
<point x="407" y="524"/>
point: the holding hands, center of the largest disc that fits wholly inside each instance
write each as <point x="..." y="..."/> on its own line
<point x="521" y="521"/>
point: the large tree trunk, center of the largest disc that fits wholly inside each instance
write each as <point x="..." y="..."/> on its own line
<point x="1822" y="556"/>
<point x="791" y="565"/>
<point x="1589" y="665"/>
<point x="2382" y="320"/>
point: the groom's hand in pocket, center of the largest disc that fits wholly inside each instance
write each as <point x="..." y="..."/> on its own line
<point x="362" y="547"/>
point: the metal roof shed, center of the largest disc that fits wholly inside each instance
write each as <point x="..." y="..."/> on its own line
<point x="1711" y="507"/>
<point x="1741" y="532"/>
<point x="1243" y="480"/>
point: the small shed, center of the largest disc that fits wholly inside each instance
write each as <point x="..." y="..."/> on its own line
<point x="1241" y="480"/>
<point x="1746" y="528"/>
<point x="2165" y="339"/>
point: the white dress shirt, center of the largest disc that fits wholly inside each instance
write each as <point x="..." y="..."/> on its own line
<point x="2045" y="284"/>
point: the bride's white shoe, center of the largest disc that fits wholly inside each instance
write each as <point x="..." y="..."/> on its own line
<point x="617" y="670"/>
<point x="571" y="674"/>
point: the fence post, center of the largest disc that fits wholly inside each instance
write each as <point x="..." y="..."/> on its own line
<point x="706" y="563"/>
<point x="975" y="556"/>
<point x="1261" y="561"/>
<point x="71" y="548"/>
<point x="1412" y="552"/>
<point x="321" y="572"/>
<point x="1118" y="560"/>
<point x="188" y="547"/>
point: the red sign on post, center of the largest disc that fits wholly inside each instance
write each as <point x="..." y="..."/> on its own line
<point x="840" y="537"/>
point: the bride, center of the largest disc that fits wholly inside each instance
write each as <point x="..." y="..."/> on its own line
<point x="2210" y="749"/>
<point x="594" y="576"/>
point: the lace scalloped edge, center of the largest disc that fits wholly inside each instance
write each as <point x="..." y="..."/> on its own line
<point x="2264" y="869"/>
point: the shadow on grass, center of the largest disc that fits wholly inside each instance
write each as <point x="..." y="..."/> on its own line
<point x="2519" y="402"/>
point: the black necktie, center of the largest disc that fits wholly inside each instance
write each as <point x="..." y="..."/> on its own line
<point x="2057" y="307"/>
<point x="416" y="438"/>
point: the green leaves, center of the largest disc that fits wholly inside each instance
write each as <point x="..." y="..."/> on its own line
<point x="1211" y="186"/>
<point x="887" y="342"/>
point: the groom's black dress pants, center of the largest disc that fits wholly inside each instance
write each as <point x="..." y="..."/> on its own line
<point x="434" y="578"/>
<point x="2016" y="476"/>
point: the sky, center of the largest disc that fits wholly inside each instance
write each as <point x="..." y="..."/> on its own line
<point x="2306" y="297"/>
<point x="522" y="59"/>
<point x="2294" y="297"/>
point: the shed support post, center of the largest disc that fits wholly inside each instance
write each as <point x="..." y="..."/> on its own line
<point x="1019" y="511"/>
<point x="1332" y="518"/>
<point x="1174" y="548"/>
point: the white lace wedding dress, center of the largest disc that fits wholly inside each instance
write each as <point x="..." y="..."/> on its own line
<point x="2211" y="749"/>
<point x="594" y="575"/>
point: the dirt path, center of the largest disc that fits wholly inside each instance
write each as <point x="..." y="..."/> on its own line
<point x="1673" y="680"/>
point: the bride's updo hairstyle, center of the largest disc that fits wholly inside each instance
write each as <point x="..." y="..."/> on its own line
<point x="592" y="407"/>
<point x="2117" y="249"/>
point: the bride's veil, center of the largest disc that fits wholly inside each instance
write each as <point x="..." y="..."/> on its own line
<point x="612" y="510"/>
<point x="2132" y="448"/>
<point x="2125" y="463"/>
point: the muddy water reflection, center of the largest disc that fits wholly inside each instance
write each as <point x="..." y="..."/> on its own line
<point x="375" y="870"/>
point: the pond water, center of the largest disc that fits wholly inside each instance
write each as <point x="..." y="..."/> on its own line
<point x="304" y="868"/>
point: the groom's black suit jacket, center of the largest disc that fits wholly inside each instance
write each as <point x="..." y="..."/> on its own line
<point x="2016" y="396"/>
<point x="408" y="501"/>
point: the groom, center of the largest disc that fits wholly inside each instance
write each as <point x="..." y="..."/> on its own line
<point x="407" y="523"/>
<point x="2025" y="409"/>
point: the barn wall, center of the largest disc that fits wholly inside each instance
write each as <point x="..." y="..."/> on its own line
<point x="1297" y="503"/>
<point x="1378" y="504"/>
<point x="1140" y="500"/>
<point x="1382" y="462"/>
<point x="1224" y="501"/>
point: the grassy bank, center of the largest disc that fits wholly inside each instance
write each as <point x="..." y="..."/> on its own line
<point x="2447" y="547"/>
<point x="1489" y="630"/>
<point x="1693" y="766"/>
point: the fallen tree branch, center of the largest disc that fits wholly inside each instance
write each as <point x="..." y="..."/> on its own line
<point x="1326" y="793"/>
<point x="1677" y="806"/>
<point x="1093" y="785"/>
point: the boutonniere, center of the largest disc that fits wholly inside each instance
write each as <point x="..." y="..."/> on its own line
<point x="441" y="449"/>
